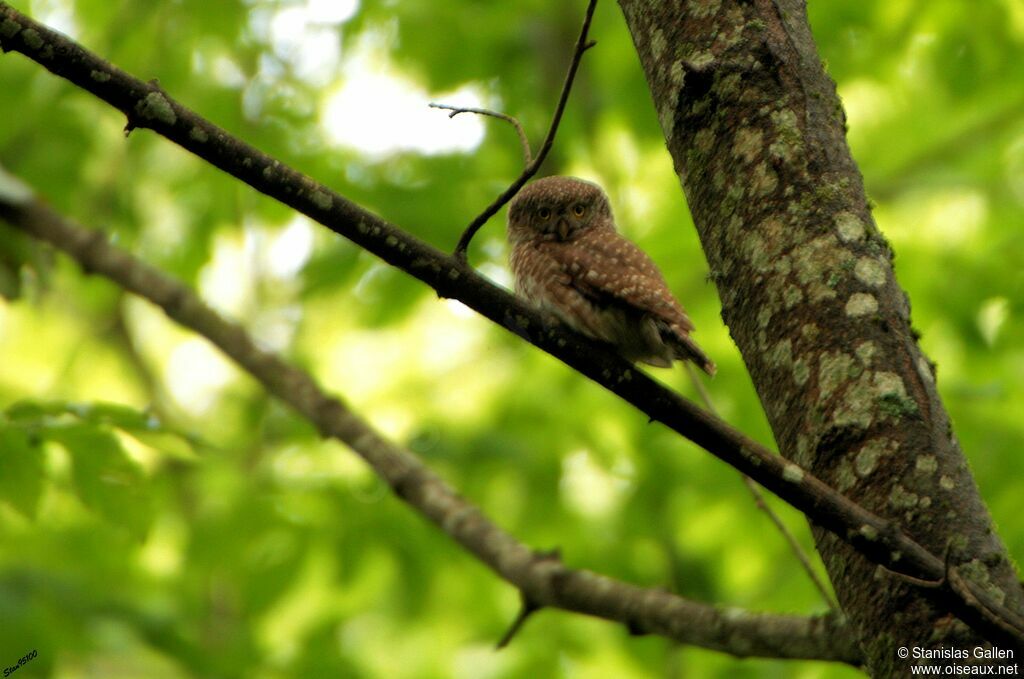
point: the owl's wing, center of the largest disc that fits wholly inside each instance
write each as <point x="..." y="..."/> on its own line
<point x="610" y="270"/>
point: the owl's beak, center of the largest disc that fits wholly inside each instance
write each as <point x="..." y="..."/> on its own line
<point x="563" y="228"/>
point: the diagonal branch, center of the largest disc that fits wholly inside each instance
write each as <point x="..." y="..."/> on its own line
<point x="582" y="45"/>
<point x="146" y="106"/>
<point x="542" y="578"/>
<point x="755" y="492"/>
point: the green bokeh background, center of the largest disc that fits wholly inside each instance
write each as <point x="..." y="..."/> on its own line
<point x="160" y="516"/>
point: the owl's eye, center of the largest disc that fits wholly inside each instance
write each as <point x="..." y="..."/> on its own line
<point x="579" y="210"/>
<point x="544" y="213"/>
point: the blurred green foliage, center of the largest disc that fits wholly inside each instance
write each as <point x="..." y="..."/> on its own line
<point x="161" y="517"/>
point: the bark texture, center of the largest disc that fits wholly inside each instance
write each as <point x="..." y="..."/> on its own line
<point x="757" y="135"/>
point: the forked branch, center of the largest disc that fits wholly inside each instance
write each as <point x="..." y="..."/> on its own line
<point x="759" y="502"/>
<point x="532" y="165"/>
<point x="524" y="141"/>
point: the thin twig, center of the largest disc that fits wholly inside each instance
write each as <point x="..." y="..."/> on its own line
<point x="926" y="583"/>
<point x="511" y="120"/>
<point x="582" y="45"/>
<point x="794" y="546"/>
<point x="759" y="501"/>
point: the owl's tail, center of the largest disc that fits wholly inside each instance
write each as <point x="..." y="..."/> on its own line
<point x="687" y="350"/>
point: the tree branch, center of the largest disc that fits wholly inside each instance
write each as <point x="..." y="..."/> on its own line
<point x="582" y="45"/>
<point x="755" y="492"/>
<point x="542" y="578"/>
<point x="145" y="105"/>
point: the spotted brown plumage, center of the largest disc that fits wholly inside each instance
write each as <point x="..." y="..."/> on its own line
<point x="568" y="259"/>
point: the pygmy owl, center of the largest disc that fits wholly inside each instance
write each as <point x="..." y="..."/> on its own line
<point x="568" y="259"/>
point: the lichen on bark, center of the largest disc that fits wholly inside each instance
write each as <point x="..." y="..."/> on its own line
<point x="757" y="136"/>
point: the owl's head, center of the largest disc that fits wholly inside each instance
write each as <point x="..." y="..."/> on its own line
<point x="557" y="208"/>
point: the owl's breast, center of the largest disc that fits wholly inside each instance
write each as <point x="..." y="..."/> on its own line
<point x="539" y="276"/>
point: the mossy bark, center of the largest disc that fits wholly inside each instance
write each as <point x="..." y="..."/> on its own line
<point x="757" y="135"/>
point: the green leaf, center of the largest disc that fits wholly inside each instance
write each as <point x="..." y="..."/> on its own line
<point x="142" y="425"/>
<point x="120" y="416"/>
<point x="106" y="480"/>
<point x="32" y="410"/>
<point x="10" y="281"/>
<point x="146" y="428"/>
<point x="19" y="252"/>
<point x="172" y="444"/>
<point x="21" y="470"/>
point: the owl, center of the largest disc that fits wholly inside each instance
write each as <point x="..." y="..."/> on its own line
<point x="569" y="260"/>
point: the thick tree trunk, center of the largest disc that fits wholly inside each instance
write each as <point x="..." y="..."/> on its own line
<point x="756" y="131"/>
